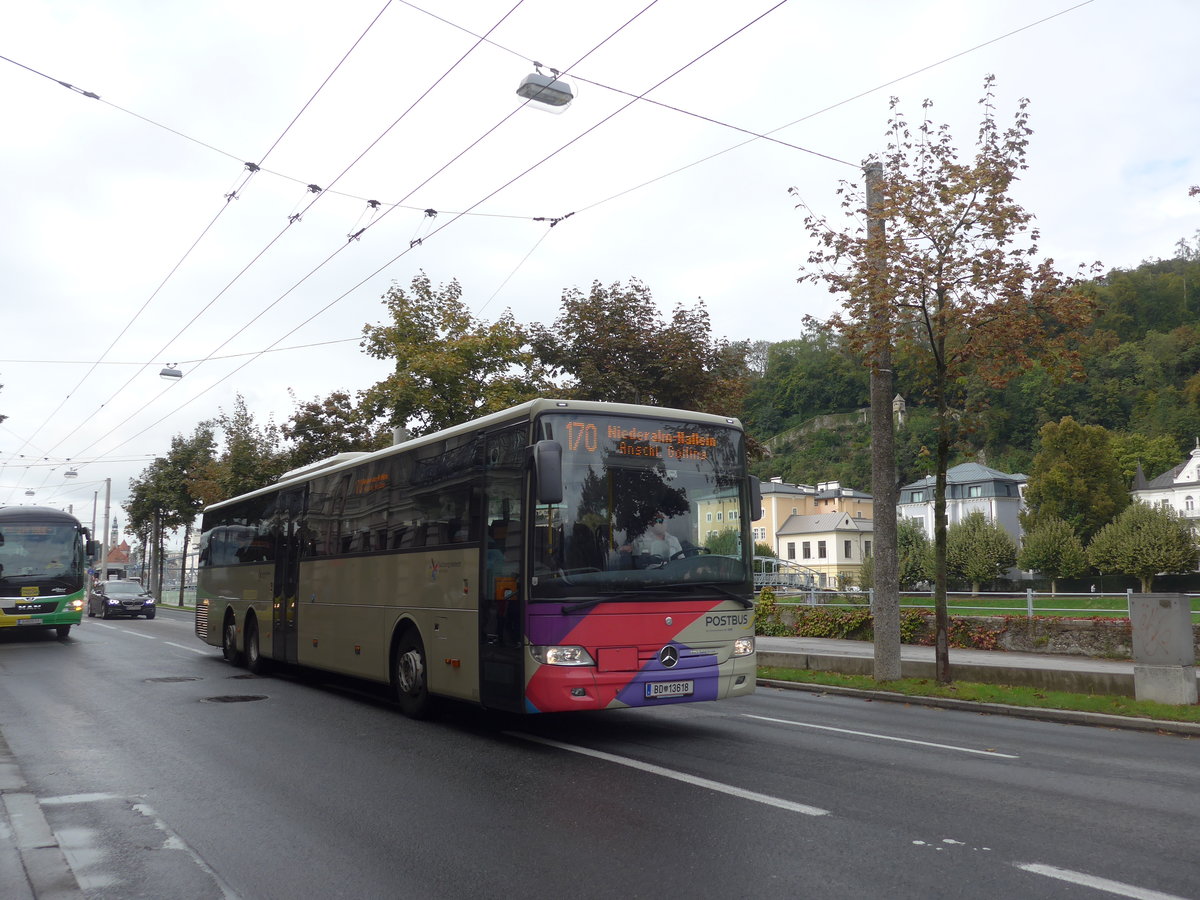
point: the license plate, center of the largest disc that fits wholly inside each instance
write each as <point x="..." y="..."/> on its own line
<point x="29" y="621"/>
<point x="656" y="689"/>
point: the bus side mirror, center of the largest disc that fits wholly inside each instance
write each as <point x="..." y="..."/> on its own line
<point x="548" y="472"/>
<point x="91" y="548"/>
<point x="755" y="498"/>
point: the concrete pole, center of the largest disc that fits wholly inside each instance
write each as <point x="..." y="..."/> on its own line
<point x="883" y="452"/>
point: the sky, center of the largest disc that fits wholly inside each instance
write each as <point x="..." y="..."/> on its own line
<point x="133" y="236"/>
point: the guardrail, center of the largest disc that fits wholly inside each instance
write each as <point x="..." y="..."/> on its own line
<point x="810" y="596"/>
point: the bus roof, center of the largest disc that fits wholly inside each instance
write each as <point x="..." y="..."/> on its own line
<point x="36" y="514"/>
<point x="528" y="410"/>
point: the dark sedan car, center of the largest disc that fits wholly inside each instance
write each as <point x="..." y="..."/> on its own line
<point x="120" y="598"/>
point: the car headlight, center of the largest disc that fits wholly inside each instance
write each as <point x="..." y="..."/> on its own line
<point x="562" y="656"/>
<point x="149" y="601"/>
<point x="743" y="646"/>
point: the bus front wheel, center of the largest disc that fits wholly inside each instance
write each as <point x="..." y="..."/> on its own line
<point x="229" y="648"/>
<point x="63" y="631"/>
<point x="410" y="677"/>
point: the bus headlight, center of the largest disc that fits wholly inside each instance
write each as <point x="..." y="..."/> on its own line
<point x="76" y="604"/>
<point x="562" y="656"/>
<point x="743" y="646"/>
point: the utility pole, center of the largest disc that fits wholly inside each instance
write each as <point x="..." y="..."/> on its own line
<point x="886" y="570"/>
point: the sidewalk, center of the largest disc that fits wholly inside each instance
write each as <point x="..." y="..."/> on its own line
<point x="1076" y="674"/>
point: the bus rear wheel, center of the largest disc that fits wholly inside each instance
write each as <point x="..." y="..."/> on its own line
<point x="410" y="678"/>
<point x="254" y="658"/>
<point x="229" y="648"/>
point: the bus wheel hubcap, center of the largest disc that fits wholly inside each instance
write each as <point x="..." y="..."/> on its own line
<point x="411" y="672"/>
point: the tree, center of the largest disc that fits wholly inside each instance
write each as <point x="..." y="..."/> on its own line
<point x="321" y="428"/>
<point x="612" y="344"/>
<point x="1144" y="541"/>
<point x="449" y="365"/>
<point x="171" y="491"/>
<point x="251" y="457"/>
<point x="1051" y="548"/>
<point x="1155" y="454"/>
<point x="1076" y="478"/>
<point x="914" y="555"/>
<point x="979" y="550"/>
<point x="967" y="298"/>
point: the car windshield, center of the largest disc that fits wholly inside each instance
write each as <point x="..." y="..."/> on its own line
<point x="648" y="505"/>
<point x="123" y="590"/>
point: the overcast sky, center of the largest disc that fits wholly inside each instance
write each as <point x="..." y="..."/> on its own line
<point x="102" y="199"/>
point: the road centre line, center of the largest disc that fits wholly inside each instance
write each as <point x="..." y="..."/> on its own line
<point x="883" y="737"/>
<point x="1092" y="881"/>
<point x="182" y="647"/>
<point x="694" y="780"/>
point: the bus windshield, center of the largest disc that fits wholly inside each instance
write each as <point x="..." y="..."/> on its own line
<point x="649" y="506"/>
<point x="40" y="551"/>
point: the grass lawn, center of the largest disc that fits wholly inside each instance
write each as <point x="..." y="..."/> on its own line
<point x="994" y="693"/>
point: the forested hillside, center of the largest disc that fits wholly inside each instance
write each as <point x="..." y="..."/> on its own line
<point x="1141" y="379"/>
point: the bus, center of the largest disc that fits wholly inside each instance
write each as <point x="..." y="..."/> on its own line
<point x="559" y="555"/>
<point x="43" y="568"/>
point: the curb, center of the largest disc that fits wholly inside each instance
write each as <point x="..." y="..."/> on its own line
<point x="1061" y="716"/>
<point x="32" y="864"/>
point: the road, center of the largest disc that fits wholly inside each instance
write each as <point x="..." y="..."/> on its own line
<point x="165" y="773"/>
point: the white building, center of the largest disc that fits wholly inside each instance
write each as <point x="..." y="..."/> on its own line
<point x="970" y="487"/>
<point x="1177" y="488"/>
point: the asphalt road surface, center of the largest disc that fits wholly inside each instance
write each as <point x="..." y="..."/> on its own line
<point x="165" y="773"/>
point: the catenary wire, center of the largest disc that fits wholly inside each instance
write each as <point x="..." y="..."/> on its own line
<point x="451" y="221"/>
<point x="252" y="169"/>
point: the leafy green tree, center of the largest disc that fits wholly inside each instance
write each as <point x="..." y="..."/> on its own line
<point x="1144" y="541"/>
<point x="1052" y="549"/>
<point x="724" y="543"/>
<point x="1155" y="454"/>
<point x="964" y="294"/>
<point x="449" y="365"/>
<point x="914" y="553"/>
<point x="612" y="344"/>
<point x="324" y="427"/>
<point x="1076" y="478"/>
<point x="979" y="550"/>
<point x="252" y="457"/>
<point x="762" y="548"/>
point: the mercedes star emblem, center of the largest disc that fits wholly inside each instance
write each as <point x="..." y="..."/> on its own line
<point x="668" y="656"/>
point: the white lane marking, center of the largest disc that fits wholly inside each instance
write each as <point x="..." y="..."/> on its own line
<point x="883" y="737"/>
<point x="1092" y="881"/>
<point x="148" y="637"/>
<point x="678" y="776"/>
<point x="175" y="842"/>
<point x="182" y="647"/>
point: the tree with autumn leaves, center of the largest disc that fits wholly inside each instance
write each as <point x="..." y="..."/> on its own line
<point x="965" y="296"/>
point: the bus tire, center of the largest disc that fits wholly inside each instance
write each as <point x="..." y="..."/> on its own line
<point x="254" y="658"/>
<point x="410" y="677"/>
<point x="229" y="647"/>
<point x="62" y="631"/>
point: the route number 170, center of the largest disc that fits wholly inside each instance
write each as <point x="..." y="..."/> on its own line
<point x="582" y="433"/>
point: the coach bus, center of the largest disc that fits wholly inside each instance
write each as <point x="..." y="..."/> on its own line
<point x="560" y="555"/>
<point x="43" y="568"/>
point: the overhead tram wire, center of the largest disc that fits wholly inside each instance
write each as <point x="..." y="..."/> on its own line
<point x="252" y="170"/>
<point x="449" y="222"/>
<point x="291" y="221"/>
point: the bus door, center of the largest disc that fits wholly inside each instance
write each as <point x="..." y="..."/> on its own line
<point x="501" y="597"/>
<point x="289" y="517"/>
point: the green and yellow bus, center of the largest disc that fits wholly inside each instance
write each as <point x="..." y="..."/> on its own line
<point x="560" y="555"/>
<point x="43" y="568"/>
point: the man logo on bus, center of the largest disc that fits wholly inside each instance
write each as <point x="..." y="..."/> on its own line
<point x="434" y="565"/>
